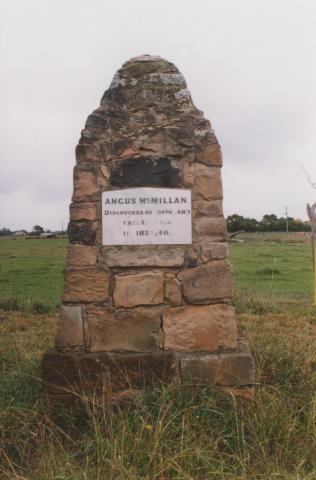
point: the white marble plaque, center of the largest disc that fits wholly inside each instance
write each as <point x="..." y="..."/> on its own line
<point x="140" y="216"/>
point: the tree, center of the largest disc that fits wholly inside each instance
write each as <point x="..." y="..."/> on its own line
<point x="37" y="230"/>
<point x="269" y="223"/>
<point x="5" y="231"/>
<point x="236" y="223"/>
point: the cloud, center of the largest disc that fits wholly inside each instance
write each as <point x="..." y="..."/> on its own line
<point x="249" y="65"/>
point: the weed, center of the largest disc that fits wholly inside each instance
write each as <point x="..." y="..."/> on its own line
<point x="269" y="271"/>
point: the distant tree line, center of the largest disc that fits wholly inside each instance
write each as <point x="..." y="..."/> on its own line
<point x="36" y="231"/>
<point x="269" y="223"/>
<point x="235" y="223"/>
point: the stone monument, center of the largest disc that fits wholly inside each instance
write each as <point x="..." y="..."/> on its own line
<point x="148" y="287"/>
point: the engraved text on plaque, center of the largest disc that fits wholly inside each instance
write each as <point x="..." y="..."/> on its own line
<point x="139" y="216"/>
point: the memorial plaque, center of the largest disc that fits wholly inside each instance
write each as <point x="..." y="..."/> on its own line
<point x="140" y="216"/>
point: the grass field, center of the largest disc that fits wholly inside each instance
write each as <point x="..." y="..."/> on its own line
<point x="272" y="273"/>
<point x="275" y="275"/>
<point x="31" y="273"/>
<point x="175" y="432"/>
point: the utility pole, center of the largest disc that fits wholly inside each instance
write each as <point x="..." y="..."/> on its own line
<point x="287" y="219"/>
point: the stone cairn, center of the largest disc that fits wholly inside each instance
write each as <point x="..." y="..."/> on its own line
<point x="133" y="315"/>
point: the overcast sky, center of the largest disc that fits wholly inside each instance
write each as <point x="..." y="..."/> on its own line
<point x="249" y="64"/>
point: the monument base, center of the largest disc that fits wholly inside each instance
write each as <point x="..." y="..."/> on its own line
<point x="75" y="375"/>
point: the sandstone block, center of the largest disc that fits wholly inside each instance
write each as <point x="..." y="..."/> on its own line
<point x="82" y="232"/>
<point x="208" y="183"/>
<point x="210" y="155"/>
<point x="81" y="256"/>
<point x="88" y="153"/>
<point x="144" y="256"/>
<point x="103" y="177"/>
<point x="188" y="175"/>
<point x="105" y="172"/>
<point x="192" y="253"/>
<point x="104" y="372"/>
<point x="214" y="251"/>
<point x="70" y="327"/>
<point x="129" y="151"/>
<point x="173" y="291"/>
<point x="204" y="228"/>
<point x="199" y="328"/>
<point x="188" y="157"/>
<point x="84" y="211"/>
<point x="116" y="330"/>
<point x="106" y="150"/>
<point x="145" y="288"/>
<point x="162" y="141"/>
<point x="227" y="369"/>
<point x="97" y="121"/>
<point x="85" y="185"/>
<point x="211" y="208"/>
<point x="86" y="285"/>
<point x="120" y="145"/>
<point x="207" y="283"/>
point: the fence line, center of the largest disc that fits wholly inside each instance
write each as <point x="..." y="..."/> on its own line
<point x="274" y="236"/>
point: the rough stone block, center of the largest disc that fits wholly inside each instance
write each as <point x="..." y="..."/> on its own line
<point x="100" y="373"/>
<point x="214" y="251"/>
<point x="161" y="141"/>
<point x="208" y="182"/>
<point x="97" y="121"/>
<point x="105" y="171"/>
<point x="82" y="232"/>
<point x="128" y="151"/>
<point x="144" y="256"/>
<point x="85" y="185"/>
<point x="81" y="256"/>
<point x="199" y="328"/>
<point x="192" y="253"/>
<point x="88" y="153"/>
<point x="117" y="330"/>
<point x="204" y="228"/>
<point x="145" y="288"/>
<point x="210" y="155"/>
<point x="188" y="157"/>
<point x="203" y="208"/>
<point x="86" y="285"/>
<point x="70" y="327"/>
<point x="207" y="283"/>
<point x="173" y="291"/>
<point x="188" y="175"/>
<point x="84" y="211"/>
<point x="227" y="369"/>
<point x="103" y="177"/>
